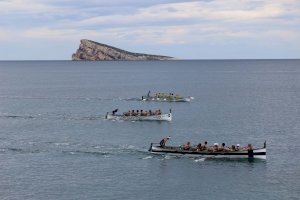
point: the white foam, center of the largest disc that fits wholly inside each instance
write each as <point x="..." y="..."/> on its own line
<point x="61" y="143"/>
<point x="130" y="147"/>
<point x="200" y="160"/>
<point x="148" y="157"/>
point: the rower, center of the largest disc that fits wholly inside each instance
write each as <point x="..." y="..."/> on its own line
<point x="232" y="148"/>
<point x="249" y="147"/>
<point x="199" y="147"/>
<point x="164" y="141"/>
<point x="237" y="148"/>
<point x="205" y="145"/>
<point x="216" y="147"/>
<point x="187" y="146"/>
<point x="222" y="148"/>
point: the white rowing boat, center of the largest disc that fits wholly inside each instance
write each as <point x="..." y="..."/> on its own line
<point x="259" y="153"/>
<point x="167" y="99"/>
<point x="161" y="117"/>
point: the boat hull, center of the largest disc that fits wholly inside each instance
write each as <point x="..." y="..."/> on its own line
<point x="257" y="153"/>
<point x="187" y="99"/>
<point x="163" y="117"/>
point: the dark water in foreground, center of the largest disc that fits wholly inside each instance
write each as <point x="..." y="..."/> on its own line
<point x="54" y="143"/>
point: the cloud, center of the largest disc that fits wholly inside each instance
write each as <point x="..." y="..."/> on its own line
<point x="167" y="35"/>
<point x="4" y="35"/>
<point x="166" y="23"/>
<point x="195" y="12"/>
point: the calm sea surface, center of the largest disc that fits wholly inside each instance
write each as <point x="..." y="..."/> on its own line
<point x="55" y="144"/>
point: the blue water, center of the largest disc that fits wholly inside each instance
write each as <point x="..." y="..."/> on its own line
<point x="55" y="144"/>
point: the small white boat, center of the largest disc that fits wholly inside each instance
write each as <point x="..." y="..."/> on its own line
<point x="259" y="153"/>
<point x="161" y="117"/>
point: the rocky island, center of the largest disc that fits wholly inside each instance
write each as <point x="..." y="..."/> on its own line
<point x="90" y="50"/>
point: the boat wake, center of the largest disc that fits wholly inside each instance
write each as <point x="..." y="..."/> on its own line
<point x="199" y="160"/>
<point x="17" y="116"/>
<point x="68" y="148"/>
<point x="68" y="117"/>
<point x="60" y="98"/>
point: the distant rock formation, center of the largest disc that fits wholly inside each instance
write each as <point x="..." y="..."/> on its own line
<point x="90" y="50"/>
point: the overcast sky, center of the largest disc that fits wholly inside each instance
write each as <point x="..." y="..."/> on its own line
<point x="207" y="29"/>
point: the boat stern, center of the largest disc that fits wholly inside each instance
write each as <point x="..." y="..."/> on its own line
<point x="260" y="153"/>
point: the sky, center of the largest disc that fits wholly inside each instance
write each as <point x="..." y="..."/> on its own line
<point x="203" y="29"/>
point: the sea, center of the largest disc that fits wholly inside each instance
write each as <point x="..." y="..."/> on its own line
<point x="55" y="142"/>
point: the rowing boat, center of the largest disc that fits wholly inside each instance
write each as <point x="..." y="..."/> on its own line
<point x="161" y="117"/>
<point x="259" y="153"/>
<point x="167" y="99"/>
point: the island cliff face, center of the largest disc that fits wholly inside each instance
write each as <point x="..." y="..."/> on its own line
<point x="90" y="50"/>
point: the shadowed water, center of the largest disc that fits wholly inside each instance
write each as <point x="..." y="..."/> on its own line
<point x="56" y="144"/>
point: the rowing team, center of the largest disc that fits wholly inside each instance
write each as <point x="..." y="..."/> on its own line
<point x="165" y="95"/>
<point x="142" y="113"/>
<point x="202" y="147"/>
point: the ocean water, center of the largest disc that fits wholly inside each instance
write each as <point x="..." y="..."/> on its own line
<point x="55" y="143"/>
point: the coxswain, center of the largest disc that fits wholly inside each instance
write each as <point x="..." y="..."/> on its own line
<point x="164" y="141"/>
<point x="114" y="111"/>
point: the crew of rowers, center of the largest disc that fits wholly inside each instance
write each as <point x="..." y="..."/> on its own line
<point x="163" y="95"/>
<point x="142" y="113"/>
<point x="204" y="147"/>
<point x="166" y="95"/>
